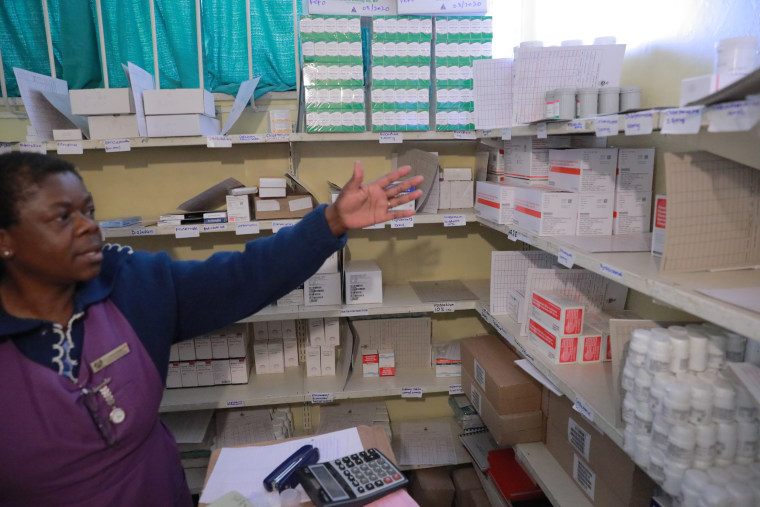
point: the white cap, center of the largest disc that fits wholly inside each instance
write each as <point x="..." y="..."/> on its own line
<point x="741" y="494"/>
<point x="715" y="496"/>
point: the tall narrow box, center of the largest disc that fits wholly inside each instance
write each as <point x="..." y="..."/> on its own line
<point x="595" y="214"/>
<point x="313" y="361"/>
<point x="363" y="282"/>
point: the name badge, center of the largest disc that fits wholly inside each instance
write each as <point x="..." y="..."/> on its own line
<point x="109" y="357"/>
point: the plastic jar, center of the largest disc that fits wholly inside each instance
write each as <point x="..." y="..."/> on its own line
<point x="747" y="442"/>
<point x="629" y="377"/>
<point x="718" y="475"/>
<point x="656" y="467"/>
<point x="637" y="350"/>
<point x="741" y="473"/>
<point x="697" y="350"/>
<point x="609" y="100"/>
<point x="705" y="447"/>
<point x="701" y="403"/>
<point x="607" y="39"/>
<point x="737" y="55"/>
<point x="658" y="351"/>
<point x="629" y="408"/>
<point x="550" y="98"/>
<point x="630" y="98"/>
<point x="724" y="401"/>
<point x="681" y="442"/>
<point x="571" y="42"/>
<point x="629" y="440"/>
<point x="643" y="449"/>
<point x="657" y="390"/>
<point x="735" y="346"/>
<point x="642" y="419"/>
<point x="741" y="494"/>
<point x="715" y="496"/>
<point x="679" y="350"/>
<point x="674" y="473"/>
<point x="566" y="103"/>
<point x="727" y="441"/>
<point x="660" y="430"/>
<point x="746" y="409"/>
<point x="752" y="352"/>
<point x="677" y="404"/>
<point x="691" y="487"/>
<point x="716" y="350"/>
<point x="587" y="104"/>
<point x="642" y="385"/>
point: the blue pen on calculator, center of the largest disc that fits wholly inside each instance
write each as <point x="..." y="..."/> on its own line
<point x="284" y="475"/>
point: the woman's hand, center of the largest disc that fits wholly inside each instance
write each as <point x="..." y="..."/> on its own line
<point x="360" y="205"/>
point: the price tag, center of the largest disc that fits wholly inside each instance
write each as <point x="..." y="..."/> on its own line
<point x="566" y="257"/>
<point x="33" y="147"/>
<point x="402" y="223"/>
<point x="280" y="224"/>
<point x="685" y="120"/>
<point x="321" y="397"/>
<point x="218" y="142"/>
<point x="455" y="389"/>
<point x="506" y="134"/>
<point x="250" y="138"/>
<point x="583" y="408"/>
<point x="443" y="307"/>
<point x="69" y="147"/>
<point x="353" y="312"/>
<point x="541" y="130"/>
<point x="187" y="231"/>
<point x="117" y="145"/>
<point x="276" y="138"/>
<point x="5" y="148"/>
<point x="247" y="228"/>
<point x="576" y="125"/>
<point x="734" y="116"/>
<point x="144" y="231"/>
<point x="236" y="403"/>
<point x="609" y="270"/>
<point x="214" y="227"/>
<point x="606" y="126"/>
<point x="464" y="134"/>
<point x="512" y="235"/>
<point x="411" y="392"/>
<point x="391" y="138"/>
<point x="454" y="221"/>
<point x="486" y="133"/>
<point x="639" y="124"/>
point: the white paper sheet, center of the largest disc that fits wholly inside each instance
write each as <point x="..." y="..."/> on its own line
<point x="533" y="372"/>
<point x="492" y="89"/>
<point x="139" y="80"/>
<point x="62" y="103"/>
<point x="243" y="469"/>
<point x="42" y="114"/>
<point x="427" y="443"/>
<point x="746" y="297"/>
<point x="244" y="95"/>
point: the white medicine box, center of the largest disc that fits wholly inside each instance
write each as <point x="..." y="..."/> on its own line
<point x="363" y="282"/>
<point x="370" y="363"/>
<point x="239" y="371"/>
<point x="633" y="212"/>
<point x="635" y="170"/>
<point x="322" y="289"/>
<point x="559" y="314"/>
<point x="461" y="194"/>
<point x="556" y="348"/>
<point x="120" y="126"/>
<point x="546" y="211"/>
<point x="313" y="361"/>
<point x="583" y="169"/>
<point x="495" y="201"/>
<point x="238" y="208"/>
<point x="203" y="347"/>
<point x="316" y="332"/>
<point x="97" y="101"/>
<point x="178" y="125"/>
<point x="332" y="331"/>
<point x="327" y="361"/>
<point x="178" y="101"/>
<point x="595" y="213"/>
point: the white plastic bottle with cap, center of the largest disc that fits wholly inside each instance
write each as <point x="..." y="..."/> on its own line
<point x="607" y="39"/>
<point x="629" y="377"/>
<point x="679" y="349"/>
<point x="660" y="430"/>
<point x="565" y="98"/>
<point x="735" y="347"/>
<point x="642" y="384"/>
<point x="674" y="473"/>
<point x="677" y="405"/>
<point x="657" y="391"/>
<point x="629" y="408"/>
<point x="705" y="447"/>
<point x="701" y="403"/>
<point x="724" y="401"/>
<point x="642" y="419"/>
<point x="752" y="352"/>
<point x="741" y="473"/>
<point x="609" y="100"/>
<point x="716" y="350"/>
<point x="658" y="351"/>
<point x="718" y="475"/>
<point x="630" y="98"/>
<point x="656" y="467"/>
<point x="681" y="443"/>
<point x="747" y="444"/>
<point x="572" y="42"/>
<point x="643" y="449"/>
<point x="697" y="349"/>
<point x="715" y="496"/>
<point x="587" y="103"/>
<point x="629" y="440"/>
<point x="746" y="409"/>
<point x="637" y="350"/>
<point x="691" y="487"/>
<point x="727" y="441"/>
<point x="741" y="494"/>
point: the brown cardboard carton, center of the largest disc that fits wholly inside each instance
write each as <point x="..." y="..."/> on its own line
<point x="432" y="487"/>
<point x="475" y="498"/>
<point x="489" y="361"/>
<point x="292" y="206"/>
<point x="464" y="479"/>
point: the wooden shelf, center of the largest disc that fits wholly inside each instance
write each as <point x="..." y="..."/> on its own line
<point x="558" y="487"/>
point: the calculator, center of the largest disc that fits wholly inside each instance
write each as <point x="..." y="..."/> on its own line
<point x="357" y="479"/>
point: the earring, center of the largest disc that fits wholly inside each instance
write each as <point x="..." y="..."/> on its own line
<point x="7" y="253"/>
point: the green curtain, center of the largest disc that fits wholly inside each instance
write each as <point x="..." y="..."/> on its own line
<point x="22" y="40"/>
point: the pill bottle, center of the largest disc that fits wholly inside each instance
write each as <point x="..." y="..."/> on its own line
<point x="674" y="473"/>
<point x="566" y="103"/>
<point x="643" y="450"/>
<point x="691" y="487"/>
<point x="657" y="390"/>
<point x="642" y="418"/>
<point x="679" y="349"/>
<point x="656" y="467"/>
<point x="629" y="440"/>
<point x="630" y="98"/>
<point x="724" y="401"/>
<point x="718" y="475"/>
<point x="629" y="408"/>
<point x="642" y="385"/>
<point x="737" y="55"/>
<point x="629" y="376"/>
<point x="705" y="447"/>
<point x="586" y="102"/>
<point x="746" y="409"/>
<point x="660" y="430"/>
<point x="701" y="403"/>
<point x="735" y="346"/>
<point x="752" y="352"/>
<point x="677" y="404"/>
<point x="715" y="496"/>
<point x="637" y="350"/>
<point x="697" y="350"/>
<point x="681" y="443"/>
<point x="747" y="442"/>
<point x="716" y="350"/>
<point x="727" y="441"/>
<point x="741" y="473"/>
<point x="609" y="100"/>
<point x="658" y="351"/>
<point x="741" y="494"/>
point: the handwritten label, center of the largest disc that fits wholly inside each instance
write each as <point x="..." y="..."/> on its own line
<point x="237" y="403"/>
<point x="218" y="142"/>
<point x="277" y="138"/>
<point x="606" y="126"/>
<point x="639" y="124"/>
<point x="451" y="7"/>
<point x="464" y="134"/>
<point x="321" y="397"/>
<point x="117" y="145"/>
<point x="506" y="134"/>
<point x="250" y="138"/>
<point x="734" y="116"/>
<point x="391" y="137"/>
<point x="144" y="231"/>
<point x="485" y="133"/>
<point x="512" y="235"/>
<point x="576" y="125"/>
<point x="214" y="227"/>
<point x="583" y="408"/>
<point x="353" y="312"/>
<point x="402" y="223"/>
<point x="247" y="228"/>
<point x="33" y="147"/>
<point x="365" y="7"/>
<point x="69" y="147"/>
<point x="280" y="224"/>
<point x="5" y="148"/>
<point x="443" y="307"/>
<point x="541" y="130"/>
<point x="685" y="120"/>
<point x="187" y="231"/>
<point x="455" y="389"/>
<point x="566" y="257"/>
<point x="609" y="270"/>
<point x="454" y="220"/>
<point x="411" y="392"/>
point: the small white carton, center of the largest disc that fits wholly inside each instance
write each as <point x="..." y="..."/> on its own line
<point x="322" y="289"/>
<point x="221" y="369"/>
<point x="327" y="360"/>
<point x="237" y="342"/>
<point x="386" y="363"/>
<point x="495" y="201"/>
<point x="364" y="282"/>
<point x="178" y="101"/>
<point x="219" y="349"/>
<point x="559" y="314"/>
<point x="67" y="135"/>
<point x="332" y="331"/>
<point x="238" y="208"/>
<point x="178" y="125"/>
<point x="290" y="352"/>
<point x="188" y="374"/>
<point x="173" y="376"/>
<point x="186" y="350"/>
<point x="174" y="353"/>
<point x="313" y="361"/>
<point x="205" y="373"/>
<point x="274" y="329"/>
<point x="457" y="174"/>
<point x="370" y="363"/>
<point x="316" y="332"/>
<point x="595" y="212"/>
<point x="203" y="347"/>
<point x="694" y="88"/>
<point x="98" y="101"/>
<point x="239" y="370"/>
<point x="276" y="356"/>
<point x="292" y="298"/>
<point x="633" y="212"/>
<point x="591" y="346"/>
<point x="260" y="331"/>
<point x="583" y="169"/>
<point x="444" y="195"/>
<point x="546" y="211"/>
<point x="462" y="194"/>
<point x="289" y="329"/>
<point x="635" y="170"/>
<point x="267" y="192"/>
<point x="330" y="265"/>
<point x="558" y="349"/>
<point x="261" y="357"/>
<point x="658" y="226"/>
<point x="121" y="126"/>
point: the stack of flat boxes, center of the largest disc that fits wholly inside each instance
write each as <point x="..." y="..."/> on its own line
<point x="323" y="287"/>
<point x="275" y="346"/>
<point x="321" y="353"/>
<point x="459" y="41"/>
<point x="333" y="74"/>
<point x="110" y="112"/>
<point x="216" y="358"/>
<point x="525" y="160"/>
<point x="180" y="112"/>
<point x="401" y="56"/>
<point x="457" y="188"/>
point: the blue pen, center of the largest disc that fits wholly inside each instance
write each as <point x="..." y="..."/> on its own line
<point x="283" y="476"/>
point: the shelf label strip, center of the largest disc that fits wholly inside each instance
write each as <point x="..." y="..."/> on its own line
<point x="411" y="392"/>
<point x="443" y="307"/>
<point x="454" y="221"/>
<point x="566" y="257"/>
<point x="639" y="124"/>
<point x="247" y="228"/>
<point x="117" y="145"/>
<point x="455" y="389"/>
<point x="321" y="398"/>
<point x="391" y="138"/>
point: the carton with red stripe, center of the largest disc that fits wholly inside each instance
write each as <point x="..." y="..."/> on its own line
<point x="558" y="349"/>
<point x="583" y="169"/>
<point x="546" y="211"/>
<point x="559" y="314"/>
<point x="495" y="201"/>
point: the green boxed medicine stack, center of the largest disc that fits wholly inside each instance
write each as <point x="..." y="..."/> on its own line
<point x="333" y="76"/>
<point x="401" y="56"/>
<point x="459" y="41"/>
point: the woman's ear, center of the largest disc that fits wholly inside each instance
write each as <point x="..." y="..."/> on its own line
<point x="6" y="245"/>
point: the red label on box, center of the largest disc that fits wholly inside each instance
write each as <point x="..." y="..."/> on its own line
<point x="387" y="372"/>
<point x="542" y="333"/>
<point x="568" y="351"/>
<point x="528" y="211"/>
<point x="592" y="348"/>
<point x="371" y="358"/>
<point x="486" y="202"/>
<point x="573" y="321"/>
<point x="546" y="306"/>
<point x="609" y="349"/>
<point x="659" y="214"/>
<point x="565" y="170"/>
<point x="447" y="361"/>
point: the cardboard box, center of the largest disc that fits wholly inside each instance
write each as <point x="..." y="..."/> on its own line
<point x="658" y="225"/>
<point x="221" y="370"/>
<point x="177" y="125"/>
<point x="327" y="360"/>
<point x="99" y="101"/>
<point x="635" y="170"/>
<point x="506" y="429"/>
<point x="559" y="314"/>
<point x="370" y="363"/>
<point x="495" y="201"/>
<point x="322" y="289"/>
<point x="432" y="487"/>
<point x="462" y="193"/>
<point x="363" y="282"/>
<point x="632" y="212"/>
<point x="173" y="376"/>
<point x="203" y="347"/>
<point x="557" y="348"/>
<point x="292" y="206"/>
<point x="465" y="480"/>
<point x="205" y="372"/>
<point x="313" y="361"/>
<point x="268" y="192"/>
<point x="583" y="169"/>
<point x="239" y="370"/>
<point x="386" y="363"/>
<point x="595" y="214"/>
<point x="113" y="126"/>
<point x="489" y="361"/>
<point x="546" y="211"/>
<point x="178" y="101"/>
<point x="238" y="208"/>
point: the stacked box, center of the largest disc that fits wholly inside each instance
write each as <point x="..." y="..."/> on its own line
<point x="459" y="41"/>
<point x="401" y="55"/>
<point x="333" y="75"/>
<point x="633" y="191"/>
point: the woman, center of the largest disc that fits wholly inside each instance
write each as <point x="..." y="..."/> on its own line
<point x="85" y="330"/>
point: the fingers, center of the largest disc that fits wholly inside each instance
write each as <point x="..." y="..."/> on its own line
<point x="404" y="198"/>
<point x="356" y="178"/>
<point x="392" y="176"/>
